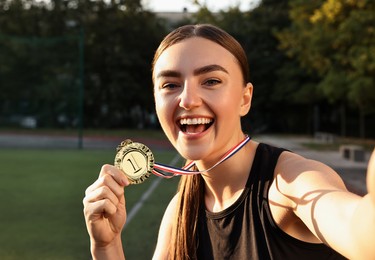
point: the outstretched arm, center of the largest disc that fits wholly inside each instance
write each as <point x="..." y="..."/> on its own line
<point x="363" y="223"/>
<point x="318" y="196"/>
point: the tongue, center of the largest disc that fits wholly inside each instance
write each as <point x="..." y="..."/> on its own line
<point x="195" y="129"/>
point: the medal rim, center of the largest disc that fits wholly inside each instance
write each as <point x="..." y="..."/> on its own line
<point x="129" y="146"/>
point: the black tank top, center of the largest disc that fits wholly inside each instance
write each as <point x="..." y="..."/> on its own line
<point x="246" y="229"/>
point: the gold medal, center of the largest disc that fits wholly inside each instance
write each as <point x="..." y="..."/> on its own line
<point x="135" y="160"/>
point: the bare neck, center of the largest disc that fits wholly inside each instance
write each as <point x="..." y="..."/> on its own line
<point x="225" y="183"/>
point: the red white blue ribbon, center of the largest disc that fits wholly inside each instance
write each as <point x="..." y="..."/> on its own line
<point x="166" y="171"/>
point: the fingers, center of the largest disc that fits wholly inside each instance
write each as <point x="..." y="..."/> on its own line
<point x="102" y="194"/>
<point x="97" y="209"/>
<point x="105" y="194"/>
<point x="116" y="174"/>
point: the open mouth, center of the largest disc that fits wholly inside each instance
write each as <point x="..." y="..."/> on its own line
<point x="195" y="125"/>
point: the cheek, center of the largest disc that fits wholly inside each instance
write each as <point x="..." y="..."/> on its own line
<point x="162" y="110"/>
<point x="228" y="105"/>
<point x="159" y="107"/>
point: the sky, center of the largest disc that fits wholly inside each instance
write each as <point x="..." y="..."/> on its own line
<point x="178" y="5"/>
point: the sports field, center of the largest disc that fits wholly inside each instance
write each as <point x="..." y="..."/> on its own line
<point x="41" y="204"/>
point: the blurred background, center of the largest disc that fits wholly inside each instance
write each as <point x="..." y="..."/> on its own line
<point x="86" y="64"/>
<point x="76" y="74"/>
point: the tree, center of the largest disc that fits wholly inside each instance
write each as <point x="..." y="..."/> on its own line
<point x="119" y="41"/>
<point x="30" y="63"/>
<point x="335" y="39"/>
<point x="266" y="60"/>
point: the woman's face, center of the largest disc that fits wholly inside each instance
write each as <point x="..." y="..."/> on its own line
<point x="200" y="97"/>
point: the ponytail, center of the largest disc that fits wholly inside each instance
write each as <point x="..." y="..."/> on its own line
<point x="184" y="229"/>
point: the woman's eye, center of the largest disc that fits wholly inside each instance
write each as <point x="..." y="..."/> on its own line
<point x="169" y="86"/>
<point x="212" y="82"/>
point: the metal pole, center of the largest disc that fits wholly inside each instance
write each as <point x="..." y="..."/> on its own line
<point x="81" y="85"/>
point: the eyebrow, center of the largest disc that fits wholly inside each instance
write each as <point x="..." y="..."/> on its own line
<point x="196" y="72"/>
<point x="209" y="68"/>
<point x="168" y="73"/>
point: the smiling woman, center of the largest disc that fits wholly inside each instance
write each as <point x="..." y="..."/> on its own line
<point x="192" y="89"/>
<point x="261" y="202"/>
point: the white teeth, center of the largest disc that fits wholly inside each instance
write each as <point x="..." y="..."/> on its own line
<point x="195" y="121"/>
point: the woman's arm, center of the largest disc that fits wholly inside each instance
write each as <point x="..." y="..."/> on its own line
<point x="165" y="231"/>
<point x="113" y="250"/>
<point x="318" y="196"/>
<point x="363" y="223"/>
<point x="105" y="213"/>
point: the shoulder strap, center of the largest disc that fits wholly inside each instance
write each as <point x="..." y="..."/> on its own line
<point x="262" y="171"/>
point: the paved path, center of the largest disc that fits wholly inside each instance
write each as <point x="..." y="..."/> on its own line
<point x="39" y="141"/>
<point x="353" y="173"/>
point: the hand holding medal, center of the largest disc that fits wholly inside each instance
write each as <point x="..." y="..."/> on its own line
<point x="137" y="162"/>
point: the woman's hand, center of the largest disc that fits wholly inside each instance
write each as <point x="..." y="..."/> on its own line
<point x="104" y="208"/>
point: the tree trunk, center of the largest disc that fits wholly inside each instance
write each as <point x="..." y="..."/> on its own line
<point x="362" y="125"/>
<point x="316" y="119"/>
<point x="343" y="119"/>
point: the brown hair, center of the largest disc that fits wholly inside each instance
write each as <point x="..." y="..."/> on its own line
<point x="191" y="188"/>
<point x="211" y="33"/>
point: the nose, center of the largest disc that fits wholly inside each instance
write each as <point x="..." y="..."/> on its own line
<point x="190" y="97"/>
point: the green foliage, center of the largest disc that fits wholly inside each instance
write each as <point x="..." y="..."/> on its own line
<point x="336" y="40"/>
<point x="119" y="52"/>
<point x="204" y="15"/>
<point x="119" y="41"/>
<point x="35" y="79"/>
<point x="302" y="54"/>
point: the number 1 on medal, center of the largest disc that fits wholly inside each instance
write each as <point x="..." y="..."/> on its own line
<point x="136" y="167"/>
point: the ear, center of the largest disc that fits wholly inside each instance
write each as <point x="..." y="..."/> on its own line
<point x="247" y="95"/>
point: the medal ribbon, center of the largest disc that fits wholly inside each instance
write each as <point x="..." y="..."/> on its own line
<point x="166" y="171"/>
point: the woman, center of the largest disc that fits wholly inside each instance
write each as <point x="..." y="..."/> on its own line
<point x="262" y="203"/>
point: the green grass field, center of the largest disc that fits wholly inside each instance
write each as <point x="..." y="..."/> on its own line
<point x="41" y="197"/>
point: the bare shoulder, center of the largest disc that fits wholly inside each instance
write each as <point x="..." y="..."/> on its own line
<point x="299" y="175"/>
<point x="165" y="231"/>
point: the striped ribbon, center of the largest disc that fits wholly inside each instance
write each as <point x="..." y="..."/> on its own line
<point x="166" y="171"/>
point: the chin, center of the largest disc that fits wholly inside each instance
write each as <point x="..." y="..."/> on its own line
<point x="192" y="152"/>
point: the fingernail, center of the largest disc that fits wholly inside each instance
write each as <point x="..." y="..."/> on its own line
<point x="125" y="182"/>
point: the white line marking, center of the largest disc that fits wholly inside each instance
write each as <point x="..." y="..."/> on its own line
<point x="147" y="194"/>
